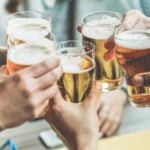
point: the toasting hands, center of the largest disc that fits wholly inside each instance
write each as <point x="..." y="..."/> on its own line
<point x="77" y="124"/>
<point x="132" y="19"/>
<point x="25" y="94"/>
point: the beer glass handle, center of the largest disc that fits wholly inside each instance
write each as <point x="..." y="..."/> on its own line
<point x="3" y="52"/>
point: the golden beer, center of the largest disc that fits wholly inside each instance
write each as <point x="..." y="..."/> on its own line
<point x="23" y="55"/>
<point x="107" y="72"/>
<point x="79" y="67"/>
<point x="97" y="28"/>
<point x="76" y="84"/>
<point x="133" y="54"/>
<point x="28" y="41"/>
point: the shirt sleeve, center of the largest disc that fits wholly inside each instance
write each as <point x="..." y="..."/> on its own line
<point x="145" y="5"/>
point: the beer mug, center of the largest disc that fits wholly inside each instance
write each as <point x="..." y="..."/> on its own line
<point x="78" y="62"/>
<point x="97" y="28"/>
<point x="133" y="55"/>
<point x="29" y="39"/>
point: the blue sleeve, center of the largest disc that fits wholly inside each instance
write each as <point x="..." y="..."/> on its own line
<point x="145" y="5"/>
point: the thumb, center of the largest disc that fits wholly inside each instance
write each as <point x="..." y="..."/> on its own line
<point x="53" y="107"/>
<point x="57" y="100"/>
<point x="94" y="94"/>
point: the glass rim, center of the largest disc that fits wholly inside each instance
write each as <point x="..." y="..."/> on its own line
<point x="92" y="49"/>
<point x="100" y="12"/>
<point x="29" y="12"/>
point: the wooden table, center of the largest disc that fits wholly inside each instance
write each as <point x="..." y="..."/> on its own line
<point x="26" y="136"/>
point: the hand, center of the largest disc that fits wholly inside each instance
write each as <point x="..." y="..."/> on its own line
<point x="142" y="79"/>
<point x="135" y="19"/>
<point x="110" y="112"/>
<point x="24" y="95"/>
<point x="77" y="124"/>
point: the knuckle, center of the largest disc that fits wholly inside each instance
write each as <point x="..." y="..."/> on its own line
<point x="53" y="76"/>
<point x="57" y="72"/>
<point x="45" y="65"/>
<point x="26" y="93"/>
<point x="32" y="109"/>
<point x="52" y="93"/>
<point x="102" y="116"/>
<point x="16" y="78"/>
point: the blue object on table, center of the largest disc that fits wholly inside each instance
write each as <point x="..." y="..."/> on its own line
<point x="9" y="144"/>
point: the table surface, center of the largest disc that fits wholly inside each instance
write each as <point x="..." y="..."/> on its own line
<point x="26" y="136"/>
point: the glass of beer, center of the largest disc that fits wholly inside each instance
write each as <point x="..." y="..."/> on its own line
<point x="78" y="61"/>
<point x="133" y="54"/>
<point x="97" y="28"/>
<point x="29" y="39"/>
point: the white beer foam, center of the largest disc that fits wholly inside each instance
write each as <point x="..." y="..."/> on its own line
<point x="30" y="30"/>
<point x="71" y="63"/>
<point x="28" y="55"/>
<point x="134" y="39"/>
<point x="27" y="23"/>
<point x="100" y="29"/>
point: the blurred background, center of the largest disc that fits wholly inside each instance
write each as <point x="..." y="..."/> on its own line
<point x="65" y="14"/>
